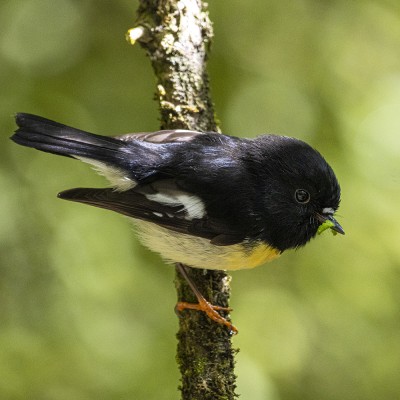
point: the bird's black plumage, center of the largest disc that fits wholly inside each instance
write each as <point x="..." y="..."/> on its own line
<point x="220" y="188"/>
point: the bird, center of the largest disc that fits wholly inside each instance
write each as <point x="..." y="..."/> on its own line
<point x="201" y="199"/>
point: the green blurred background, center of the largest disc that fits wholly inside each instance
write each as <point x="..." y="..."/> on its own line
<point x="87" y="313"/>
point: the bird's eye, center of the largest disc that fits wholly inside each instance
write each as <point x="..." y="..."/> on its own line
<point x="302" y="196"/>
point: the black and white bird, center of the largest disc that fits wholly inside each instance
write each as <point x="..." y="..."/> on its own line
<point x="206" y="200"/>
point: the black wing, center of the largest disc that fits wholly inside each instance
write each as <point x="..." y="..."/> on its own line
<point x="172" y="175"/>
<point x="136" y="203"/>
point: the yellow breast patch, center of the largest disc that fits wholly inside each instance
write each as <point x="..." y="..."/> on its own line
<point x="199" y="252"/>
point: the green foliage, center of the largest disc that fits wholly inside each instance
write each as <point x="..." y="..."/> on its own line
<point x="87" y="313"/>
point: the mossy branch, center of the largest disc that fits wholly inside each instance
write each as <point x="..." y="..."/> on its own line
<point x="176" y="35"/>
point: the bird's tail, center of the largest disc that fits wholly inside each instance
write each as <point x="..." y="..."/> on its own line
<point x="53" y="137"/>
<point x="101" y="151"/>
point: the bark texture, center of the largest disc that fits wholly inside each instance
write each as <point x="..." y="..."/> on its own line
<point x="176" y="35"/>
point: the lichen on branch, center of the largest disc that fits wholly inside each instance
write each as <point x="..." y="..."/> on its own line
<point x="177" y="36"/>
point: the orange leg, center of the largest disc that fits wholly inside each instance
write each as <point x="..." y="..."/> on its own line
<point x="203" y="304"/>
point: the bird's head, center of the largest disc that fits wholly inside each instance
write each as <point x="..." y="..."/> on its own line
<point x="302" y="193"/>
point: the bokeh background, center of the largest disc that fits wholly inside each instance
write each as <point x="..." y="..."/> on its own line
<point x="87" y="313"/>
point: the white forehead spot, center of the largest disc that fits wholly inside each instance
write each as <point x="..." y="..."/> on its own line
<point x="328" y="211"/>
<point x="192" y="205"/>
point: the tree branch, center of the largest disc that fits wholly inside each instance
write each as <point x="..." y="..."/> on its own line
<point x="176" y="35"/>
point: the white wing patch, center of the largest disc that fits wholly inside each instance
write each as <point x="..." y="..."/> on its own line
<point x="193" y="205"/>
<point x="117" y="177"/>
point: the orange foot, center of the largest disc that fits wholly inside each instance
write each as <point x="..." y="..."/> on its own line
<point x="210" y="310"/>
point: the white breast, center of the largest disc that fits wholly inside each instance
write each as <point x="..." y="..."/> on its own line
<point x="199" y="252"/>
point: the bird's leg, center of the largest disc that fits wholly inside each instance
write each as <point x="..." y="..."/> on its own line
<point x="203" y="304"/>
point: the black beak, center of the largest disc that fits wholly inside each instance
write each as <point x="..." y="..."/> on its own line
<point x="335" y="225"/>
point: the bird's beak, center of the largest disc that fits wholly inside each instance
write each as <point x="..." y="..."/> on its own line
<point x="333" y="224"/>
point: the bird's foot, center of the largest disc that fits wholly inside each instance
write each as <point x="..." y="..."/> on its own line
<point x="210" y="310"/>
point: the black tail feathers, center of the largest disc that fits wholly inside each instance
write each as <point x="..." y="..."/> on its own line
<point x="53" y="137"/>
